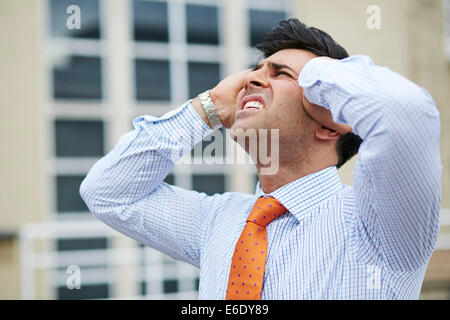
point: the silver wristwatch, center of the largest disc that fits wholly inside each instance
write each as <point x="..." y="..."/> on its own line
<point x="210" y="110"/>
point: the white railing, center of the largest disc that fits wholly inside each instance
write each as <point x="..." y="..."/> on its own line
<point x="103" y="266"/>
<point x="41" y="262"/>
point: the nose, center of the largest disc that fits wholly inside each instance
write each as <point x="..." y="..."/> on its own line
<point x="256" y="79"/>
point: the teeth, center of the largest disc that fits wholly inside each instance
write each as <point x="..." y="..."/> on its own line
<point x="253" y="104"/>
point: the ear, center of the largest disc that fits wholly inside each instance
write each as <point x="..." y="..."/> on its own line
<point x="326" y="134"/>
<point x="323" y="117"/>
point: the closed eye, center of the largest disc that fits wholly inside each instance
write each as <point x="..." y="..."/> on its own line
<point x="277" y="69"/>
<point x="278" y="73"/>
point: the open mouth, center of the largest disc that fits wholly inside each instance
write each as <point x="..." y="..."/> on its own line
<point x="252" y="103"/>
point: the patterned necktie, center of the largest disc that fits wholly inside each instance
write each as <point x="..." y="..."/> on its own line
<point x="249" y="257"/>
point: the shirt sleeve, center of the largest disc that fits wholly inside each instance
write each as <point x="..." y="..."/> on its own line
<point x="124" y="189"/>
<point x="397" y="176"/>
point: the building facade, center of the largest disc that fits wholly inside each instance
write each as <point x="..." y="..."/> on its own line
<point x="69" y="93"/>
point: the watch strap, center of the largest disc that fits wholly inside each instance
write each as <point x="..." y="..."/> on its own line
<point x="210" y="110"/>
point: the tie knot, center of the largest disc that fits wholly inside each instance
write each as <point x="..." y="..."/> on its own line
<point x="265" y="210"/>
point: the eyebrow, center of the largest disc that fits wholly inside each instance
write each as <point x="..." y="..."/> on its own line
<point x="275" y="66"/>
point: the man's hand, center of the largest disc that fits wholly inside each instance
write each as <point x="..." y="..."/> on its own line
<point x="224" y="96"/>
<point x="323" y="116"/>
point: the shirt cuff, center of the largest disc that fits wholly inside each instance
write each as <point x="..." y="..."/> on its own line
<point x="314" y="73"/>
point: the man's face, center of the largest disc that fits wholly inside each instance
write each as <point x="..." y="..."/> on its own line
<point x="271" y="97"/>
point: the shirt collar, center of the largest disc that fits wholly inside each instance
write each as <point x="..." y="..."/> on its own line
<point x="302" y="194"/>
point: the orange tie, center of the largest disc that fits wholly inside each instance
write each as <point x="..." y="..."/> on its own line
<point x="249" y="258"/>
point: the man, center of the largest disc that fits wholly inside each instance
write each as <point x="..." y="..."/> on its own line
<point x="324" y="240"/>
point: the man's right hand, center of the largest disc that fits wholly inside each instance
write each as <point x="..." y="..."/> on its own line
<point x="224" y="96"/>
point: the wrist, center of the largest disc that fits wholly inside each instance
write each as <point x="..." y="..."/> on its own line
<point x="195" y="102"/>
<point x="210" y="111"/>
<point x="216" y="102"/>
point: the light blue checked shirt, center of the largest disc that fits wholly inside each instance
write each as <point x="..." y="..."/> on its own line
<point x="372" y="240"/>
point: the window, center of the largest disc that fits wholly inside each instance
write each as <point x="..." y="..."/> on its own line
<point x="68" y="195"/>
<point x="90" y="22"/>
<point x="81" y="244"/>
<point x="202" y="24"/>
<point x="170" y="286"/>
<point x="202" y="76"/>
<point x="76" y="77"/>
<point x="170" y="179"/>
<point x="79" y="138"/>
<point x="91" y="291"/>
<point x="261" y="22"/>
<point x="197" y="284"/>
<point x="210" y="183"/>
<point x="150" y="21"/>
<point x="152" y="80"/>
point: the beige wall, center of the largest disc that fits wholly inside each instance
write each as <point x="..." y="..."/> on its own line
<point x="410" y="42"/>
<point x="21" y="177"/>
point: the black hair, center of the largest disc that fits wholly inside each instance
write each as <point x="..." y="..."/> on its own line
<point x="294" y="34"/>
